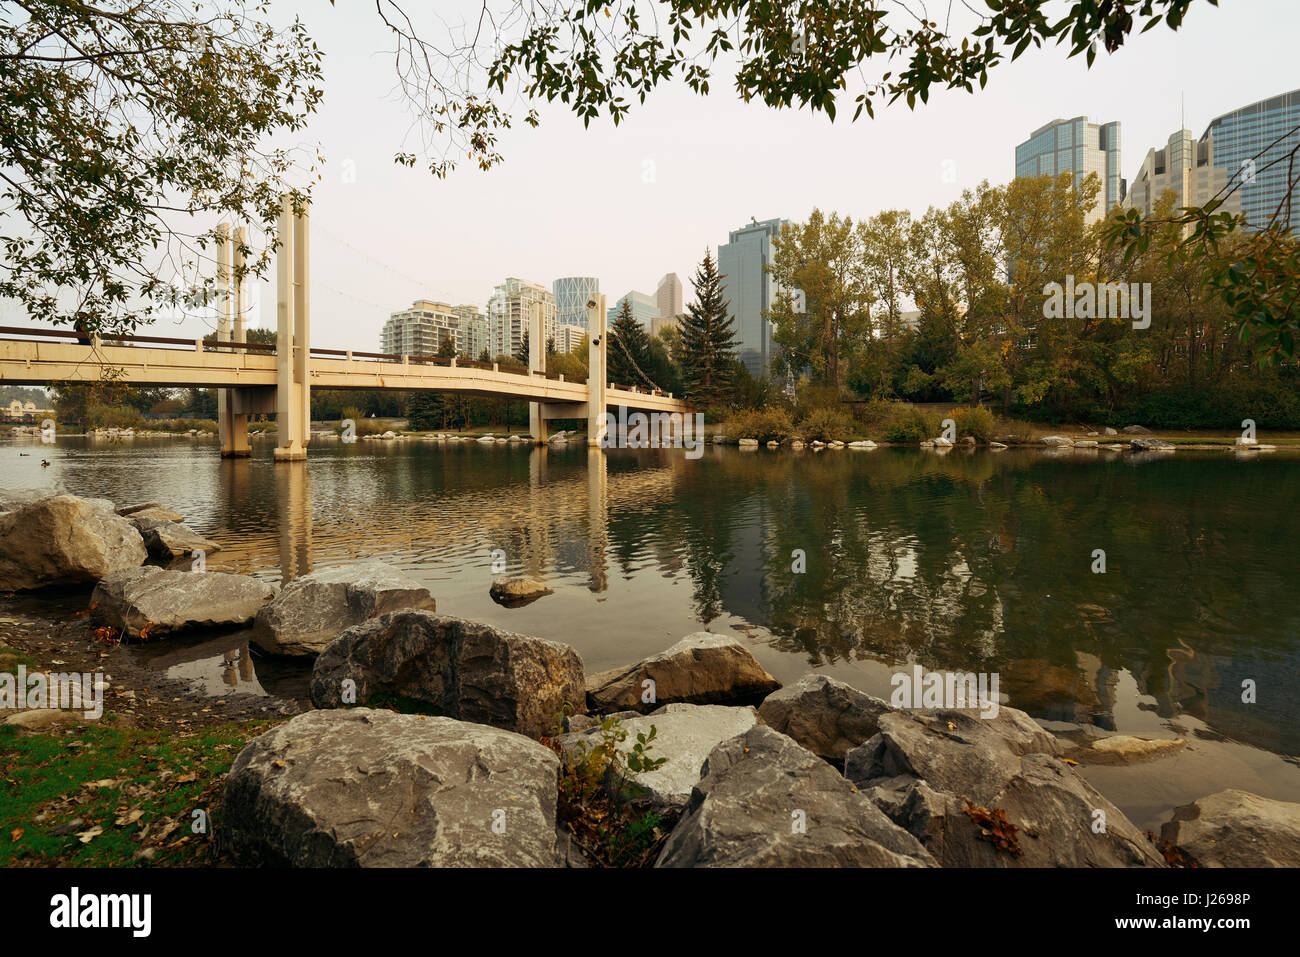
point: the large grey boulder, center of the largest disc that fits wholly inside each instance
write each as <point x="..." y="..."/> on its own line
<point x="65" y="540"/>
<point x="147" y="602"/>
<point x="167" y="540"/>
<point x="684" y="735"/>
<point x="311" y="611"/>
<point x="1237" y="829"/>
<point x="462" y="668"/>
<point x="764" y="801"/>
<point x="826" y="716"/>
<point x="946" y="776"/>
<point x="371" y="788"/>
<point x="702" y="668"/>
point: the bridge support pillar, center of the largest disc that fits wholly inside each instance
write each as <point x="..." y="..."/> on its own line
<point x="536" y="363"/>
<point x="293" y="344"/>
<point x="596" y="381"/>
<point x="232" y="427"/>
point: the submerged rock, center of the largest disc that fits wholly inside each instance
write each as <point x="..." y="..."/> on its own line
<point x="153" y="510"/>
<point x="1237" y="829"/>
<point x="311" y="611"/>
<point x="1151" y="445"/>
<point x="366" y="788"/>
<point x="65" y="540"/>
<point x="461" y="668"/>
<point x="764" y="801"/>
<point x="514" y="592"/>
<point x="702" y="668"/>
<point x="147" y="602"/>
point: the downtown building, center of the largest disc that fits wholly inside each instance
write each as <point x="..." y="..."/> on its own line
<point x="511" y="310"/>
<point x="471" y="332"/>
<point x="568" y="338"/>
<point x="1255" y="145"/>
<point x="748" y="289"/>
<point x="1079" y="147"/>
<point x="644" y="308"/>
<point x="572" y="293"/>
<point x="419" y="330"/>
<point x="1242" y="158"/>
<point x="668" y="295"/>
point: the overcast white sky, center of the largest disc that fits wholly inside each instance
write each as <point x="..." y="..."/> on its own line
<point x="574" y="201"/>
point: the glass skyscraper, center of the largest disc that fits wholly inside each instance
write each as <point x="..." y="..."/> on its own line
<point x="572" y="294"/>
<point x="749" y="290"/>
<point x="1079" y="147"/>
<point x="1252" y="144"/>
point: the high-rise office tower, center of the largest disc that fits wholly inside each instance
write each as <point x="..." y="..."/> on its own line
<point x="749" y="290"/>
<point x="1252" y="145"/>
<point x="644" y="308"/>
<point x="1184" y="167"/>
<point x="1078" y="147"/>
<point x="669" y="295"/>
<point x="571" y="297"/>
<point x="511" y="309"/>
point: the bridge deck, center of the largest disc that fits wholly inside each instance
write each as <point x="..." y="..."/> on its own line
<point x="195" y="364"/>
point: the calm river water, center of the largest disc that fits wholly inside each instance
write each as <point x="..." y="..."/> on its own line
<point x="971" y="561"/>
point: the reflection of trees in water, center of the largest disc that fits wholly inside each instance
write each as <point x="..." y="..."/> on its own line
<point x="974" y="562"/>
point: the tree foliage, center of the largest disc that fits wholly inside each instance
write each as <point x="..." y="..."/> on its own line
<point x="706" y="342"/>
<point x="125" y="126"/>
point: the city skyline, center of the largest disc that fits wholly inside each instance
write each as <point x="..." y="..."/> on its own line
<point x="685" y="170"/>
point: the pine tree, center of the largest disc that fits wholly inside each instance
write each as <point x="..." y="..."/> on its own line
<point x="628" y="353"/>
<point x="707" y="350"/>
<point x="522" y="354"/>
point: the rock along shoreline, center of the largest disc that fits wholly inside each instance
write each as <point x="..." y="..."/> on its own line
<point x="478" y="763"/>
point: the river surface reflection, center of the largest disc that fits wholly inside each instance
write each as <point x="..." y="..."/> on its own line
<point x="972" y="561"/>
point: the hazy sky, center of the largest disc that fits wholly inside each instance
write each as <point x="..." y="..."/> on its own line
<point x="629" y="204"/>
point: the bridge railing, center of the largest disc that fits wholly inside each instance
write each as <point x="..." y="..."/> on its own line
<point x="267" y="348"/>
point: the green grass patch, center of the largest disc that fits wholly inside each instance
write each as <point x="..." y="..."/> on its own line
<point x="95" y="796"/>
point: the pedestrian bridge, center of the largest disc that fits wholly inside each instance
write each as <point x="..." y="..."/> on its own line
<point x="254" y="378"/>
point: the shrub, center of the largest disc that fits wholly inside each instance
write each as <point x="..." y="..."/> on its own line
<point x="977" y="422"/>
<point x="876" y="412"/>
<point x="114" y="417"/>
<point x="910" y="424"/>
<point x="827" y="424"/>
<point x="765" y="425"/>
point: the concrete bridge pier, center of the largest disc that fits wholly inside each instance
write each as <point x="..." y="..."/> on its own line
<point x="596" y="370"/>
<point x="232" y="425"/>
<point x="537" y="363"/>
<point x="293" y="342"/>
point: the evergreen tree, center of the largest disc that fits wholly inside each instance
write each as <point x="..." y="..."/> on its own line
<point x="522" y="354"/>
<point x="707" y="342"/>
<point x="628" y="353"/>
